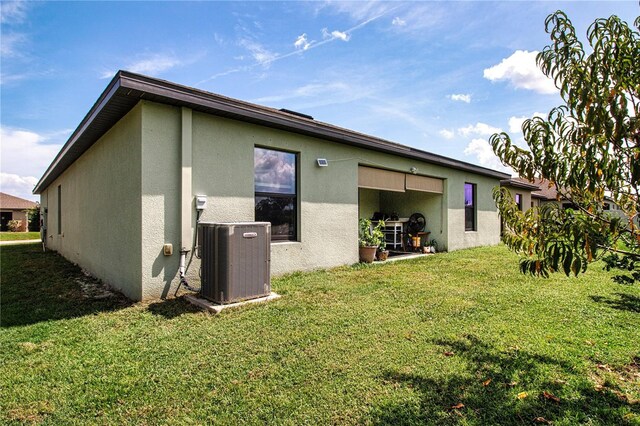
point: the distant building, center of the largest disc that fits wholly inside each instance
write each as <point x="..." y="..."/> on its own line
<point x="541" y="191"/>
<point x="14" y="208"/>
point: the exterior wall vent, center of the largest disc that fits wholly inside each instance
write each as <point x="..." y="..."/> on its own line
<point x="236" y="260"/>
<point x="299" y="114"/>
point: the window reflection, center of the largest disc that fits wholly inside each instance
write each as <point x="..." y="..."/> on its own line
<point x="275" y="191"/>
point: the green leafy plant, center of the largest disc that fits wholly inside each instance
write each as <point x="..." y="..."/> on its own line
<point x="586" y="149"/>
<point x="33" y="216"/>
<point x="370" y="236"/>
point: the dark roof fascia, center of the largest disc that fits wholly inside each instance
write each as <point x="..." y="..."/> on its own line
<point x="57" y="166"/>
<point x="163" y="91"/>
<point x="245" y="111"/>
<point x="518" y="184"/>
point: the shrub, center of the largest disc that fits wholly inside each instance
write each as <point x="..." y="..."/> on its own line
<point x="15" y="225"/>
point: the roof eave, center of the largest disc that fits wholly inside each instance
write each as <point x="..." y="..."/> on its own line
<point x="175" y="94"/>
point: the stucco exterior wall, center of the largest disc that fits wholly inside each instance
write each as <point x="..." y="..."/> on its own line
<point x="487" y="218"/>
<point x="526" y="196"/>
<point x="20" y="215"/>
<point x="328" y="197"/>
<point x="100" y="201"/>
<point x="160" y="187"/>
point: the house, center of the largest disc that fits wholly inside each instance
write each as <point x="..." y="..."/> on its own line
<point x="14" y="208"/>
<point x="540" y="192"/>
<point x="524" y="193"/>
<point x="124" y="185"/>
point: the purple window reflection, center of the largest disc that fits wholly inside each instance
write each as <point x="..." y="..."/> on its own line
<point x="469" y="207"/>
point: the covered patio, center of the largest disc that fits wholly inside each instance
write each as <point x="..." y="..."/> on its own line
<point x="401" y="200"/>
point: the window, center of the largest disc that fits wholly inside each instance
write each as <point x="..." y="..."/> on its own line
<point x="519" y="201"/>
<point x="469" y="207"/>
<point x="607" y="206"/>
<point x="275" y="180"/>
<point x="59" y="209"/>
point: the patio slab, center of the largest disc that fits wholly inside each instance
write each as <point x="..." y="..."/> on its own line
<point x="214" y="308"/>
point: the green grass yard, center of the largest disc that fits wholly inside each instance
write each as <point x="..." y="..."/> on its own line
<point x="400" y="343"/>
<point x="19" y="236"/>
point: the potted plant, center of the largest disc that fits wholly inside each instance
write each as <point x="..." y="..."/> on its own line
<point x="370" y="239"/>
<point x="382" y="254"/>
<point x="433" y="246"/>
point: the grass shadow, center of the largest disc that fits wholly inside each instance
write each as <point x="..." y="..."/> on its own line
<point x="42" y="286"/>
<point x="496" y="401"/>
<point x="171" y="308"/>
<point x="625" y="302"/>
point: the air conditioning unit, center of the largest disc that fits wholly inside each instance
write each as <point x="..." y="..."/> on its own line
<point x="236" y="260"/>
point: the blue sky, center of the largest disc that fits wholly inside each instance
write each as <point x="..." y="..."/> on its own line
<point x="438" y="76"/>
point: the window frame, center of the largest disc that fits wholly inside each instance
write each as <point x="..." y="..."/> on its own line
<point x="474" y="207"/>
<point x="59" y="209"/>
<point x="518" y="200"/>
<point x="295" y="196"/>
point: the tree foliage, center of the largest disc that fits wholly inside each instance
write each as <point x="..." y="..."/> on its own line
<point x="587" y="149"/>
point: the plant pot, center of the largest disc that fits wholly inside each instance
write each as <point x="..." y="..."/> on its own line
<point x="432" y="249"/>
<point x="382" y="255"/>
<point x="368" y="253"/>
<point x="426" y="249"/>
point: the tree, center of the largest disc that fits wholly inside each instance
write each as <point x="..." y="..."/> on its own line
<point x="588" y="149"/>
<point x="33" y="218"/>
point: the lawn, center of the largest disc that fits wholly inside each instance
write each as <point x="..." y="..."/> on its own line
<point x="18" y="236"/>
<point x="458" y="338"/>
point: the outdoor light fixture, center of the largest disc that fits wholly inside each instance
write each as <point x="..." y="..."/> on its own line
<point x="322" y="162"/>
<point x="413" y="170"/>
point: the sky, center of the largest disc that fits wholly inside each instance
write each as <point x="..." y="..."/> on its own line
<point x="437" y="76"/>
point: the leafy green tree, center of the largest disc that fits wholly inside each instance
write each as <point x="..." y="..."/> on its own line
<point x="588" y="149"/>
<point x="33" y="217"/>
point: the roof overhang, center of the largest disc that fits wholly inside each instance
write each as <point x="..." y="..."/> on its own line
<point x="519" y="184"/>
<point x="126" y="89"/>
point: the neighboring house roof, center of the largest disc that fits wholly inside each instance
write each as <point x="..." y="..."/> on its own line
<point x="126" y="89"/>
<point x="545" y="191"/>
<point x="539" y="187"/>
<point x="519" y="183"/>
<point x="11" y="202"/>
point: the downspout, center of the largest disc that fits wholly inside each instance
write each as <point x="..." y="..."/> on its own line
<point x="186" y="197"/>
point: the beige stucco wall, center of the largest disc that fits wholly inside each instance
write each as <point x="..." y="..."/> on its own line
<point x="122" y="198"/>
<point x="20" y="215"/>
<point x="222" y="169"/>
<point x="101" y="208"/>
<point x="161" y="167"/>
<point x="487" y="219"/>
<point x="526" y="196"/>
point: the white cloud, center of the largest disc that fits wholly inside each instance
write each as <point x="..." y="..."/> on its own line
<point x="446" y="133"/>
<point x="151" y="65"/>
<point x="466" y="98"/>
<point x="482" y="151"/>
<point x="10" y="44"/>
<point x="398" y="22"/>
<point x="521" y="71"/>
<point x="20" y="186"/>
<point x="13" y="12"/>
<point x="261" y="55"/>
<point x="515" y="123"/>
<point x="479" y="129"/>
<point x="335" y="34"/>
<point x="27" y="153"/>
<point x="302" y="42"/>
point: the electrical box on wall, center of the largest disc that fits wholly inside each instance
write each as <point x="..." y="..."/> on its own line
<point x="201" y="202"/>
